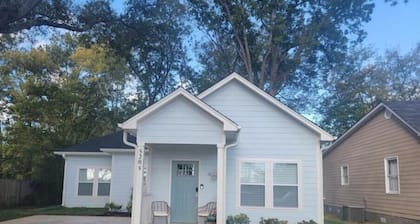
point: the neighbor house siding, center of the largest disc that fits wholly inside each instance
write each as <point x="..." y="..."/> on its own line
<point x="364" y="151"/>
<point x="73" y="164"/>
<point x="180" y="121"/>
<point x="122" y="178"/>
<point x="269" y="134"/>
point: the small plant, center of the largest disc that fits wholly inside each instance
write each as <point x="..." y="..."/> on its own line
<point x="307" y="222"/>
<point x="130" y="203"/>
<point x="238" y="219"/>
<point x="112" y="207"/>
<point x="272" y="221"/>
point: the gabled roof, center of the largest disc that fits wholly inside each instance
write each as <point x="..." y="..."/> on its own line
<point x="407" y="112"/>
<point x="111" y="141"/>
<point x="228" y="125"/>
<point x="325" y="136"/>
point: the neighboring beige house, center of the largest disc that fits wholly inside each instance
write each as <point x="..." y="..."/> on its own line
<point x="373" y="171"/>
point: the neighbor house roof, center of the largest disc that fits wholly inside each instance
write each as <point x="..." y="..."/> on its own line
<point x="406" y="112"/>
<point x="111" y="141"/>
<point x="325" y="136"/>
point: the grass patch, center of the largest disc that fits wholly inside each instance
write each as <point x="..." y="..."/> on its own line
<point x="7" y="214"/>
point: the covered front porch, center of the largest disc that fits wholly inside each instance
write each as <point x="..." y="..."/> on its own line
<point x="183" y="175"/>
<point x="180" y="157"/>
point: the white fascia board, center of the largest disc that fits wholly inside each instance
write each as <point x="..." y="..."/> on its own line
<point x="325" y="136"/>
<point x="80" y="153"/>
<point x="110" y="150"/>
<point x="131" y="123"/>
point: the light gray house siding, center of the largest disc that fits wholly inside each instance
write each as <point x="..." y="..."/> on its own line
<point x="122" y="178"/>
<point x="71" y="180"/>
<point x="269" y="134"/>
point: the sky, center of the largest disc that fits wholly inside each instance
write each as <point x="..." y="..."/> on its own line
<point x="391" y="27"/>
<point x="394" y="27"/>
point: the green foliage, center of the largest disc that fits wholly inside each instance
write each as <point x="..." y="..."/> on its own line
<point x="307" y="222"/>
<point x="19" y="15"/>
<point x="7" y="214"/>
<point x="277" y="44"/>
<point x="112" y="207"/>
<point x="238" y="219"/>
<point x="363" y="81"/>
<point x="52" y="102"/>
<point x="272" y="221"/>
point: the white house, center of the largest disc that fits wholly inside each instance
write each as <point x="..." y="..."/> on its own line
<point x="233" y="144"/>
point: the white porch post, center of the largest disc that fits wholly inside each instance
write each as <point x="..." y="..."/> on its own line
<point x="137" y="184"/>
<point x="221" y="176"/>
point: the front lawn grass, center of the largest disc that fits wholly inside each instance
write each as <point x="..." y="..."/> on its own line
<point x="13" y="213"/>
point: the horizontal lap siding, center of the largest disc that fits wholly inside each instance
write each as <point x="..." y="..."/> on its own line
<point x="365" y="151"/>
<point x="73" y="164"/>
<point x="180" y="121"/>
<point x="122" y="178"/>
<point x="267" y="133"/>
<point x="162" y="155"/>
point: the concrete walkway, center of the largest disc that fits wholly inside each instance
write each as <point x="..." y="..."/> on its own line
<point x="59" y="219"/>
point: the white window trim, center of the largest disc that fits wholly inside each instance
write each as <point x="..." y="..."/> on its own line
<point x="269" y="201"/>
<point x="95" y="182"/>
<point x="342" y="175"/>
<point x="387" y="190"/>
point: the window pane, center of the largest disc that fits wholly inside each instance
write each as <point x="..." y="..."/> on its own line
<point x="253" y="173"/>
<point x="393" y="175"/>
<point x="85" y="189"/>
<point x="285" y="196"/>
<point x="86" y="175"/>
<point x="285" y="173"/>
<point x="252" y="195"/>
<point x="104" y="175"/>
<point x="103" y="189"/>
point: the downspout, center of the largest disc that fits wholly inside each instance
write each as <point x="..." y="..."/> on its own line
<point x="231" y="145"/>
<point x="125" y="140"/>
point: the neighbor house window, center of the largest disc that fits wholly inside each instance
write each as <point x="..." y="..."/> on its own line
<point x="94" y="182"/>
<point x="392" y="180"/>
<point x="345" y="175"/>
<point x="253" y="184"/>
<point x="285" y="185"/>
<point x="269" y="184"/>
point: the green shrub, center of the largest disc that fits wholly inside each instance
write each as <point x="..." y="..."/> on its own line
<point x="272" y="221"/>
<point x="238" y="219"/>
<point x="112" y="207"/>
<point x="307" y="222"/>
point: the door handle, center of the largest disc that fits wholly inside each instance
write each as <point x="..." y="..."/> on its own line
<point x="196" y="189"/>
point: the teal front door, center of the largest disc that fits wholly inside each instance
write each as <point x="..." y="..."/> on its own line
<point x="184" y="192"/>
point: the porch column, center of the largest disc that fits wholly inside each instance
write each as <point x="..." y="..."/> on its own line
<point x="137" y="184"/>
<point x="221" y="176"/>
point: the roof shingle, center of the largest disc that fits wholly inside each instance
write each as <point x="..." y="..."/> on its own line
<point x="111" y="141"/>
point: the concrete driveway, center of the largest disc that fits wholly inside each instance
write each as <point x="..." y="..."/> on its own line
<point x="60" y="219"/>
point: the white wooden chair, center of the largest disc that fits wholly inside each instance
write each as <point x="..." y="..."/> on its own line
<point x="160" y="212"/>
<point x="205" y="211"/>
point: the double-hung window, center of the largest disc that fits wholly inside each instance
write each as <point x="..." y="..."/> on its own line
<point x="344" y="175"/>
<point x="94" y="182"/>
<point x="285" y="185"/>
<point x="253" y="184"/>
<point x="392" y="180"/>
<point x="269" y="184"/>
